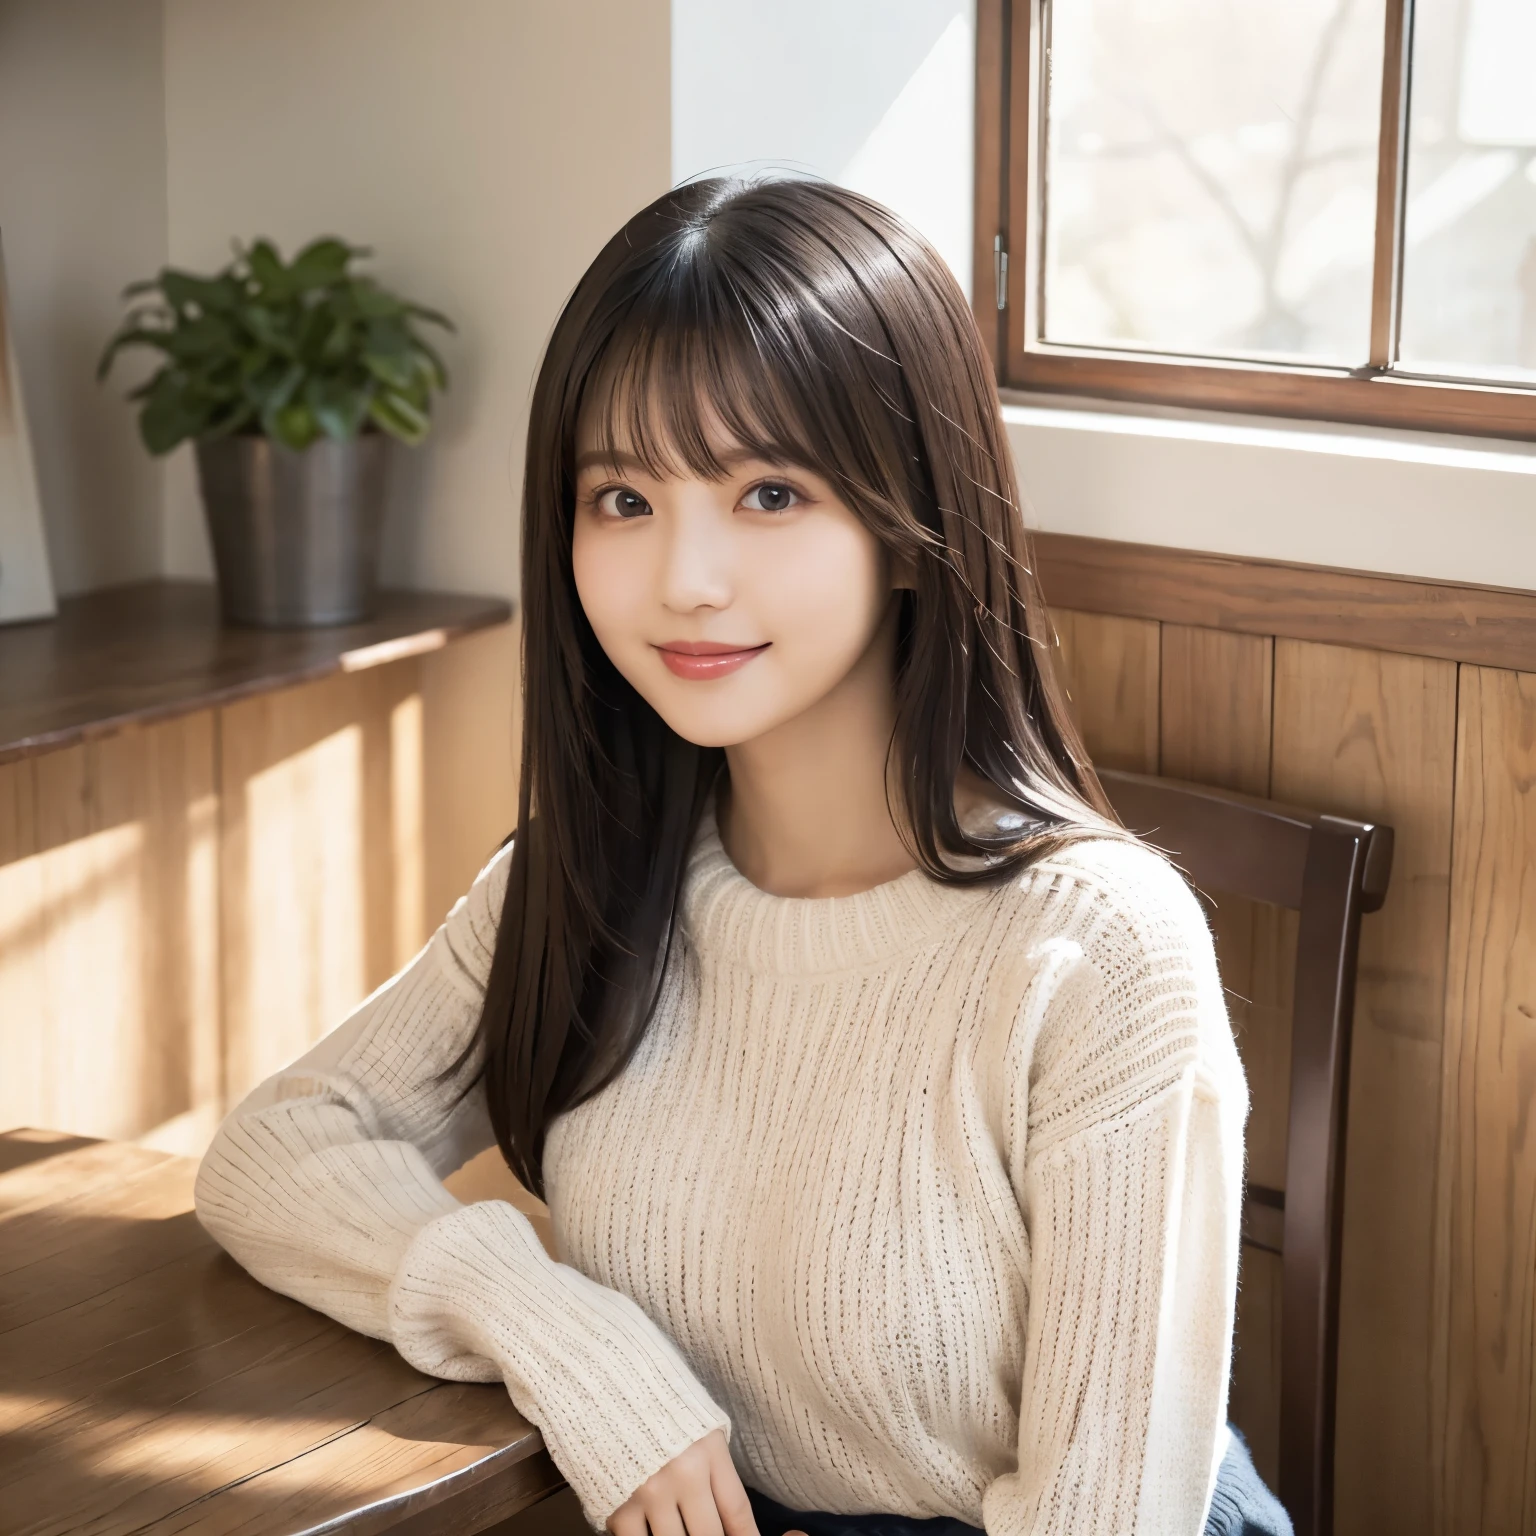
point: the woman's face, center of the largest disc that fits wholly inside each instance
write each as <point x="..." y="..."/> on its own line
<point x="731" y="606"/>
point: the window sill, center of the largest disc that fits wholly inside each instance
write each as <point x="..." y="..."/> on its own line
<point x="1368" y="499"/>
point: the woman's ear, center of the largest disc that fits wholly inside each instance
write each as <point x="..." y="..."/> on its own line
<point x="903" y="572"/>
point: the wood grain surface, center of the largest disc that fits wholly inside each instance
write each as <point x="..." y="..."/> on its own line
<point x="321" y="864"/>
<point x="1487" y="625"/>
<point x="1110" y="669"/>
<point x="1482" y="1434"/>
<point x="1264" y="389"/>
<point x="156" y="649"/>
<point x="1372" y="735"/>
<point x="1215" y="703"/>
<point x="109" y="934"/>
<point x="148" y="1385"/>
<point x="471" y="732"/>
<point x="186" y="905"/>
<point x="988" y="171"/>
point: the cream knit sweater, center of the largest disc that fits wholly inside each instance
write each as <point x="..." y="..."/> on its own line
<point x="928" y="1196"/>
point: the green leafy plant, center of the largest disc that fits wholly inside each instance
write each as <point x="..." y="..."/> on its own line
<point x="293" y="350"/>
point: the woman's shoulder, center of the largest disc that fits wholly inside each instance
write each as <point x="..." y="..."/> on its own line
<point x="1114" y="882"/>
<point x="1093" y="875"/>
<point x="1121" y="978"/>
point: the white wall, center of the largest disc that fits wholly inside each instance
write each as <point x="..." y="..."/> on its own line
<point x="875" y="94"/>
<point x="484" y="148"/>
<point x="82" y="213"/>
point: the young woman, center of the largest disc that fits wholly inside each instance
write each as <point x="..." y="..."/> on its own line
<point x="880" y="1086"/>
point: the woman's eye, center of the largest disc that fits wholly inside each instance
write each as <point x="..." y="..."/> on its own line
<point x="771" y="497"/>
<point x="620" y="502"/>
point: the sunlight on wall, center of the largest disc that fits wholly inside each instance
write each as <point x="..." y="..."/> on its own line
<point x="194" y="948"/>
<point x="406" y="813"/>
<point x="305" y="905"/>
<point x="71" y="940"/>
<point x="874" y="94"/>
<point x="918" y="159"/>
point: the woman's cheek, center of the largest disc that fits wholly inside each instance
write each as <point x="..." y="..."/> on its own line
<point x="608" y="590"/>
<point x="830" y="596"/>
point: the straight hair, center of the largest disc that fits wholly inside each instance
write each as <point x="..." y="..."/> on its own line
<point x="810" y="326"/>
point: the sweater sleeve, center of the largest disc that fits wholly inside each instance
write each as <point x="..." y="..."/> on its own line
<point x="1125" y="1083"/>
<point x="326" y="1184"/>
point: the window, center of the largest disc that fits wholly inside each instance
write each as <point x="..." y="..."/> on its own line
<point x="1322" y="208"/>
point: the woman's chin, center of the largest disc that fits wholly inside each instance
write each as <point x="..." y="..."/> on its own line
<point x="718" y="721"/>
<point x="709" y="733"/>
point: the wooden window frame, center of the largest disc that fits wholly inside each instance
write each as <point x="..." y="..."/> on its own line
<point x="1007" y="274"/>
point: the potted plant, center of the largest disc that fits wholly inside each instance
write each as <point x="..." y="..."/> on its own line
<point x="289" y="378"/>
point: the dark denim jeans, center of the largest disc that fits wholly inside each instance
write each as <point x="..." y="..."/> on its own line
<point x="1241" y="1506"/>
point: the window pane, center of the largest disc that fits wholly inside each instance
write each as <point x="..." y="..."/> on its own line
<point x="1211" y="175"/>
<point x="1469" y="259"/>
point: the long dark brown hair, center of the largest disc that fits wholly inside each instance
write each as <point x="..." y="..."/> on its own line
<point x="816" y="328"/>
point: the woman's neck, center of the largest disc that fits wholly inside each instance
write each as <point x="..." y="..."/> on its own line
<point x="805" y="810"/>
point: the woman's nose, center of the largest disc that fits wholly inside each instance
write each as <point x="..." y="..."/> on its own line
<point x="696" y="571"/>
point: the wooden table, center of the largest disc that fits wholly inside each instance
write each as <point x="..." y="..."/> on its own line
<point x="148" y="1385"/>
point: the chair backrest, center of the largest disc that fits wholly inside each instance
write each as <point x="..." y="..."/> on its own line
<point x="1330" y="870"/>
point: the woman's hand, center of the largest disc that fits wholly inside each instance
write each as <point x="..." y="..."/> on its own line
<point x="697" y="1493"/>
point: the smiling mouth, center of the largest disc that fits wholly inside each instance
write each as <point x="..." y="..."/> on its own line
<point x="701" y="660"/>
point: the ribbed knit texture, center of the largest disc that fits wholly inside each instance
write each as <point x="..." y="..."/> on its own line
<point x="928" y="1195"/>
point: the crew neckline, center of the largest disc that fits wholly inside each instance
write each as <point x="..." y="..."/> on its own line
<point x="727" y="917"/>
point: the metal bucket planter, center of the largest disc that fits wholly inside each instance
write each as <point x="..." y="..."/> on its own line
<point x="295" y="535"/>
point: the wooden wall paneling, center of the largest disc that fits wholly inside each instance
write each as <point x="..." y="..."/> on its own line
<point x="110" y="954"/>
<point x="1482" y="1434"/>
<point x="1110" y="666"/>
<point x="1488" y="626"/>
<point x="1369" y="734"/>
<point x="407" y="811"/>
<point x="1216" y="697"/>
<point x="163" y="779"/>
<point x="393" y="860"/>
<point x="316" y="788"/>
<point x="471" y="698"/>
<point x="90" y="930"/>
<point x="1216" y="711"/>
<point x="23" y="1037"/>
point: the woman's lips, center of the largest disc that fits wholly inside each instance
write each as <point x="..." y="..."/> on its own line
<point x="702" y="659"/>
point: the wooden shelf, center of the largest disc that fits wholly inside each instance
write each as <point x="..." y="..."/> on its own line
<point x="155" y="649"/>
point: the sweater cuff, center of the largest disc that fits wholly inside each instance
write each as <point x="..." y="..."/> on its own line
<point x="477" y="1297"/>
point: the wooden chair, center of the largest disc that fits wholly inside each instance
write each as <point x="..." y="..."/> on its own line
<point x="1330" y="870"/>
